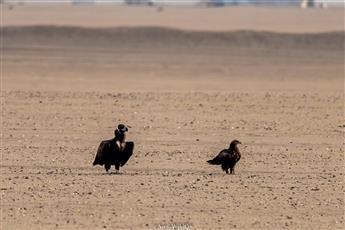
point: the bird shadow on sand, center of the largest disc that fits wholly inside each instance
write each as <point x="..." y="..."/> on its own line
<point x="90" y="171"/>
<point x="164" y="172"/>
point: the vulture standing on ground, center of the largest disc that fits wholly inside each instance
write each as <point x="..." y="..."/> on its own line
<point x="115" y="151"/>
<point x="228" y="157"/>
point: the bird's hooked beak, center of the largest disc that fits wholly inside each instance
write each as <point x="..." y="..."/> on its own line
<point x="123" y="130"/>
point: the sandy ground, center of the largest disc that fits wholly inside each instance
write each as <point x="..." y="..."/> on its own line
<point x="185" y="98"/>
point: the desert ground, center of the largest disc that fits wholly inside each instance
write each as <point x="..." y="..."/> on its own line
<point x="187" y="84"/>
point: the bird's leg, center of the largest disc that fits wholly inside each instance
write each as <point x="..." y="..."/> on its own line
<point x="227" y="171"/>
<point x="232" y="170"/>
<point x="107" y="167"/>
<point x="117" y="169"/>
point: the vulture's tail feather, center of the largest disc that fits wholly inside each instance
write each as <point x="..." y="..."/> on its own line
<point x="213" y="162"/>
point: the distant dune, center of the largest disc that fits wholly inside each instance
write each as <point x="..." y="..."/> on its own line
<point x="141" y="57"/>
<point x="276" y="19"/>
<point x="164" y="37"/>
<point x="107" y="48"/>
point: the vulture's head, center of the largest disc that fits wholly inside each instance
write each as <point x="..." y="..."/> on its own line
<point x="122" y="128"/>
<point x="234" y="143"/>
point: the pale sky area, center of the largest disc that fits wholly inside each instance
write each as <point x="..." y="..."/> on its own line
<point x="187" y="2"/>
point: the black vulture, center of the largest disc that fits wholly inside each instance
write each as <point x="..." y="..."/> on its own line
<point x="109" y="154"/>
<point x="227" y="158"/>
<point x="115" y="151"/>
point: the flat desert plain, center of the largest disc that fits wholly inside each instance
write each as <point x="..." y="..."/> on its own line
<point x="272" y="78"/>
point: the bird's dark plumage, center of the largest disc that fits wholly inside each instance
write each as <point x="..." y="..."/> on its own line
<point x="227" y="158"/>
<point x="108" y="154"/>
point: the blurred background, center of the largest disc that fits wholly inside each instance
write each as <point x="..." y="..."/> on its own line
<point x="200" y="3"/>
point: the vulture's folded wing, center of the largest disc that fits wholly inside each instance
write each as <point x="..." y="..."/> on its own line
<point x="220" y="158"/>
<point x="102" y="152"/>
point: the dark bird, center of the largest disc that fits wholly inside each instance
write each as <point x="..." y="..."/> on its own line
<point x="115" y="151"/>
<point x="227" y="158"/>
